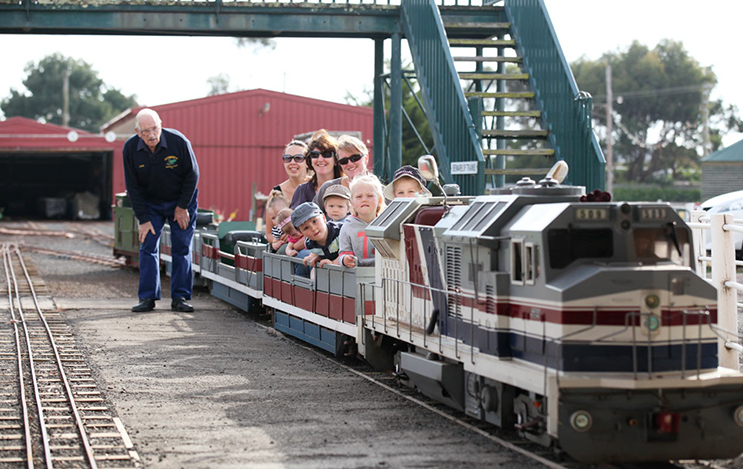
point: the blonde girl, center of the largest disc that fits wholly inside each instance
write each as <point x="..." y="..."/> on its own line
<point x="367" y="202"/>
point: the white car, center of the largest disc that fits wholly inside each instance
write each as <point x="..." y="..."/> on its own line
<point x="732" y="203"/>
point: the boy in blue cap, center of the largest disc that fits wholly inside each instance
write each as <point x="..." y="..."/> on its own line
<point x="321" y="236"/>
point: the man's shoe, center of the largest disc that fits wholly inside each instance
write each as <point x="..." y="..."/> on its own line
<point x="145" y="305"/>
<point x="180" y="304"/>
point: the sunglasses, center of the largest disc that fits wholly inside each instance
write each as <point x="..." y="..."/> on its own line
<point x="314" y="154"/>
<point x="352" y="159"/>
<point x="297" y="158"/>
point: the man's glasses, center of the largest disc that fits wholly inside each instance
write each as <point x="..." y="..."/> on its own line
<point x="314" y="154"/>
<point x="150" y="131"/>
<point x="298" y="158"/>
<point x="352" y="159"/>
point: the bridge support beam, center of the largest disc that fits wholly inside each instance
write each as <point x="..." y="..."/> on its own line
<point x="395" y="130"/>
<point x="381" y="160"/>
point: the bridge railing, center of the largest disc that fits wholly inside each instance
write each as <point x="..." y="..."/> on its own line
<point x="714" y="244"/>
<point x="175" y="3"/>
<point x="566" y="108"/>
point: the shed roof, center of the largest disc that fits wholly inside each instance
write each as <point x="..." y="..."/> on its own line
<point x="731" y="154"/>
<point x="237" y="96"/>
<point x="22" y="133"/>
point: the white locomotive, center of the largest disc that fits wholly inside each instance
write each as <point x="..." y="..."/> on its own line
<point x="581" y="324"/>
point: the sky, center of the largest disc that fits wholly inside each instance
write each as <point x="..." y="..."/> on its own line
<point x="584" y="28"/>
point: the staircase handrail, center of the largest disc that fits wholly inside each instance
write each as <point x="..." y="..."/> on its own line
<point x="564" y="107"/>
<point x="452" y="126"/>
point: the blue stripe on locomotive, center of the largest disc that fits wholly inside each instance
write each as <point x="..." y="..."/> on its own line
<point x="584" y="356"/>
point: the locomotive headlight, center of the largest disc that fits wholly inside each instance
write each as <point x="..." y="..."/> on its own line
<point x="652" y="301"/>
<point x="738" y="416"/>
<point x="581" y="421"/>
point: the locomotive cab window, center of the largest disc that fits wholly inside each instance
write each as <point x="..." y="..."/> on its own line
<point x="568" y="245"/>
<point x="530" y="263"/>
<point x="524" y="262"/>
<point x="666" y="244"/>
<point x="517" y="261"/>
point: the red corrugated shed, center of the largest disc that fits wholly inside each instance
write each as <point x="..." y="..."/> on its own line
<point x="22" y="134"/>
<point x="239" y="138"/>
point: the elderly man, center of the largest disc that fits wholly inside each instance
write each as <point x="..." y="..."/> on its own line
<point x="161" y="176"/>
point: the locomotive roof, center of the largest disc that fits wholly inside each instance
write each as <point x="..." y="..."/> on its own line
<point x="487" y="214"/>
<point x="402" y="210"/>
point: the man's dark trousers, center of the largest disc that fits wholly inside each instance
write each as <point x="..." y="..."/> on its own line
<point x="181" y="280"/>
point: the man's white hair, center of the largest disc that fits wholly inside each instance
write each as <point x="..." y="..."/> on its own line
<point x="147" y="112"/>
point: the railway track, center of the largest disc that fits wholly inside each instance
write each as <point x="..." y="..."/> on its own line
<point x="52" y="414"/>
<point x="30" y="230"/>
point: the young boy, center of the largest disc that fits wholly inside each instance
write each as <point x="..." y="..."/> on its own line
<point x="337" y="201"/>
<point x="321" y="236"/>
<point x="407" y="182"/>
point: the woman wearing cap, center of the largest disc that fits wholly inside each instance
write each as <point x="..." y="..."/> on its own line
<point x="295" y="166"/>
<point x="323" y="160"/>
<point x="353" y="156"/>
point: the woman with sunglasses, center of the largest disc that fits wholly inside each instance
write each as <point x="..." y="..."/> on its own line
<point x="323" y="160"/>
<point x="353" y="157"/>
<point x="296" y="168"/>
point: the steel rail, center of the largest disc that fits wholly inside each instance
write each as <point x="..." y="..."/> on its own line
<point x="73" y="405"/>
<point x="32" y="368"/>
<point x="24" y="403"/>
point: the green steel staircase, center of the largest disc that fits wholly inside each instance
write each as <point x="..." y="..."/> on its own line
<point x="485" y="50"/>
<point x="482" y="46"/>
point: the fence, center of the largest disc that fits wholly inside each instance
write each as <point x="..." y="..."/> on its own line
<point x="715" y="255"/>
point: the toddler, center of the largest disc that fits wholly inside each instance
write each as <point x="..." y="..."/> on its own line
<point x="294" y="239"/>
<point x="276" y="203"/>
<point x="337" y="202"/>
<point x="367" y="200"/>
<point x="407" y="182"/>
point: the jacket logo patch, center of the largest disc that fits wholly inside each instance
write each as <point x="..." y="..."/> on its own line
<point x="171" y="162"/>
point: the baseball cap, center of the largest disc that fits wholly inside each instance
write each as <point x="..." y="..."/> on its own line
<point x="406" y="171"/>
<point x="304" y="212"/>
<point x="337" y="190"/>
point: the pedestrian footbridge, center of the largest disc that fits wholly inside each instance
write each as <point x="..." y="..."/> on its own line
<point x="497" y="92"/>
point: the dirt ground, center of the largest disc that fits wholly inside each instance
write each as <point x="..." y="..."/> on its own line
<point x="215" y="389"/>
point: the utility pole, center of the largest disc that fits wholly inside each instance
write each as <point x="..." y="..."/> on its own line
<point x="706" y="88"/>
<point x="609" y="131"/>
<point x="66" y="98"/>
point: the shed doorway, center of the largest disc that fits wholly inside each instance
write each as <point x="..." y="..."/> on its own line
<point x="57" y="185"/>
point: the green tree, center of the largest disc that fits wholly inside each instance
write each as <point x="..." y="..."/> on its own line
<point x="256" y="42"/>
<point x="91" y="102"/>
<point x="218" y="84"/>
<point x="659" y="98"/>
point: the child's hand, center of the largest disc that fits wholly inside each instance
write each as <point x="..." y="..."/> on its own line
<point x="311" y="260"/>
<point x="277" y="244"/>
<point x="349" y="261"/>
<point x="291" y="252"/>
<point x="325" y="262"/>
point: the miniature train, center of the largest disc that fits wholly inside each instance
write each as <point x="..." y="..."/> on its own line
<point x="581" y="324"/>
